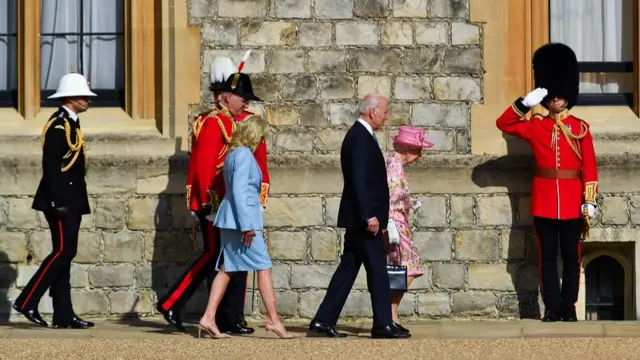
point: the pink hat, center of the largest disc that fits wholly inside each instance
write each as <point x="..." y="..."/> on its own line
<point x="412" y="136"/>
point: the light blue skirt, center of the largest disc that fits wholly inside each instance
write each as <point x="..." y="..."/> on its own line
<point x="236" y="256"/>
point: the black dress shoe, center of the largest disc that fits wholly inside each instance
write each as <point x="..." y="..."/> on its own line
<point x="550" y="316"/>
<point x="32" y="315"/>
<point x="570" y="316"/>
<point x="238" y="329"/>
<point x="389" y="332"/>
<point x="318" y="328"/>
<point x="400" y="327"/>
<point x="172" y="317"/>
<point x="74" y="323"/>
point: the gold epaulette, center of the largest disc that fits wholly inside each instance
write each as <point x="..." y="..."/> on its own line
<point x="74" y="148"/>
<point x="537" y="116"/>
<point x="200" y="119"/>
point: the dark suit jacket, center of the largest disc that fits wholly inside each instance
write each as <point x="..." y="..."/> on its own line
<point x="57" y="188"/>
<point x="366" y="192"/>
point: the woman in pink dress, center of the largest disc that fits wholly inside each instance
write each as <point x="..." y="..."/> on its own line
<point x="407" y="148"/>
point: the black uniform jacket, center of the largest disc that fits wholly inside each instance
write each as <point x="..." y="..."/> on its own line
<point x="60" y="187"/>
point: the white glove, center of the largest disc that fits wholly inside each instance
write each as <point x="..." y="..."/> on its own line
<point x="535" y="97"/>
<point x="392" y="230"/>
<point x="591" y="210"/>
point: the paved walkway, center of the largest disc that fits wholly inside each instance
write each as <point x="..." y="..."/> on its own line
<point x="151" y="338"/>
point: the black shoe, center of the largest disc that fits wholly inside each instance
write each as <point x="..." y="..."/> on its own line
<point x="32" y="315"/>
<point x="238" y="329"/>
<point x="172" y="317"/>
<point x="74" y="323"/>
<point x="389" y="332"/>
<point x="570" y="316"/>
<point x="550" y="316"/>
<point x="400" y="327"/>
<point x="318" y="328"/>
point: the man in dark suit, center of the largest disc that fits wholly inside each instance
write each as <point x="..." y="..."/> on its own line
<point x="62" y="197"/>
<point x="364" y="213"/>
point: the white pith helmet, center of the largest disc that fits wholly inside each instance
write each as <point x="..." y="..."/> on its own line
<point x="72" y="85"/>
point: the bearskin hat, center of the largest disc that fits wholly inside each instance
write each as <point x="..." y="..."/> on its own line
<point x="555" y="68"/>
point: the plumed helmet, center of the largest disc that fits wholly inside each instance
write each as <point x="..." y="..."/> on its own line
<point x="555" y="68"/>
<point x="221" y="68"/>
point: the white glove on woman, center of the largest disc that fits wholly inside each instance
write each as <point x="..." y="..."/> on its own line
<point x="535" y="97"/>
<point x="591" y="210"/>
<point x="392" y="230"/>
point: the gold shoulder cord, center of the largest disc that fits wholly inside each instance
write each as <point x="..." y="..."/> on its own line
<point x="74" y="149"/>
<point x="571" y="138"/>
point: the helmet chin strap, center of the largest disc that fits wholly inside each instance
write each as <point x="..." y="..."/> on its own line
<point x="79" y="106"/>
<point x="552" y="111"/>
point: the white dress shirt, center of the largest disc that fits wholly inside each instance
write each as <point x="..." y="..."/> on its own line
<point x="72" y="115"/>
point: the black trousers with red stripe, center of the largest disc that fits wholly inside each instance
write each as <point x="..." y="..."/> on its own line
<point x="54" y="272"/>
<point x="203" y="267"/>
<point x="565" y="233"/>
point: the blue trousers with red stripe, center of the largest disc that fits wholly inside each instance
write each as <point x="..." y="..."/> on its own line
<point x="54" y="272"/>
<point x="231" y="310"/>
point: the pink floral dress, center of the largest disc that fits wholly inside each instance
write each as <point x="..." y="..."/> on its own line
<point x="399" y="210"/>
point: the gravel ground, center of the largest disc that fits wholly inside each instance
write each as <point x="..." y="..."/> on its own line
<point x="573" y="348"/>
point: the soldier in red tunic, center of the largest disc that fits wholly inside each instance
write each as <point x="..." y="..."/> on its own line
<point x="565" y="183"/>
<point x="205" y="187"/>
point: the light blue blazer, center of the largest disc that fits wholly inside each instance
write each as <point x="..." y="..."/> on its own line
<point x="240" y="209"/>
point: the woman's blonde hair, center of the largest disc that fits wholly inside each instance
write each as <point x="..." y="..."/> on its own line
<point x="249" y="133"/>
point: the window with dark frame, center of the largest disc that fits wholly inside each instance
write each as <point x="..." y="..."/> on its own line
<point x="8" y="50"/>
<point x="83" y="40"/>
<point x="601" y="34"/>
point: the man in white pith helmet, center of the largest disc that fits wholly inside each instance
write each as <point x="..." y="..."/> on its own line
<point x="62" y="197"/>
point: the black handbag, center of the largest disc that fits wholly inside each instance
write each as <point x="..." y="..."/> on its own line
<point x="397" y="275"/>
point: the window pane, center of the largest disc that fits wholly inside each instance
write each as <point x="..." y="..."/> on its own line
<point x="597" y="30"/>
<point x="606" y="83"/>
<point x="57" y="55"/>
<point x="103" y="16"/>
<point x="8" y="52"/>
<point x="96" y="49"/>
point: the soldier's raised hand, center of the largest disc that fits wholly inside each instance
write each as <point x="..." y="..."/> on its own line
<point x="534" y="97"/>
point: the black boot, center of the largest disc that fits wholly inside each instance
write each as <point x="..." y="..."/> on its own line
<point x="570" y="315"/>
<point x="550" y="316"/>
<point x="32" y="315"/>
<point x="172" y="317"/>
<point x="74" y="323"/>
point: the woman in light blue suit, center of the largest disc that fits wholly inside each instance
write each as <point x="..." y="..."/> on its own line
<point x="240" y="221"/>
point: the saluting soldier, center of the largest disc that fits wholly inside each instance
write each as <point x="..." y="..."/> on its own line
<point x="565" y="183"/>
<point x="62" y="197"/>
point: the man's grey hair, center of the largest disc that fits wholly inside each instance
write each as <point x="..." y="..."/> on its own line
<point x="370" y="101"/>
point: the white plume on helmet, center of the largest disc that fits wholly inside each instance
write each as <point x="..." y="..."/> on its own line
<point x="221" y="68"/>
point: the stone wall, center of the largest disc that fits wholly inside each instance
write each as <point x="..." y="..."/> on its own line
<point x="473" y="232"/>
<point x="313" y="59"/>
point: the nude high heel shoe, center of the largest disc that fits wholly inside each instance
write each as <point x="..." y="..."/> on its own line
<point x="279" y="331"/>
<point x="214" y="333"/>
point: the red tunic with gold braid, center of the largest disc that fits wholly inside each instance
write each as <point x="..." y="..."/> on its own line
<point x="261" y="158"/>
<point x="205" y="183"/>
<point x="566" y="174"/>
<point x="191" y="170"/>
